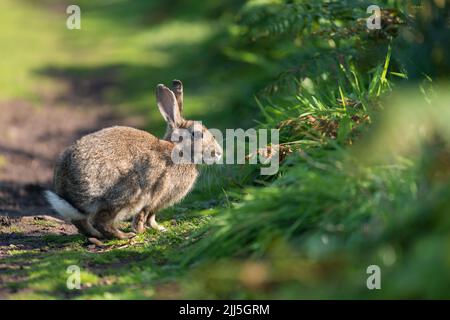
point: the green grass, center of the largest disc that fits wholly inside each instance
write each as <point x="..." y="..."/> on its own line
<point x="366" y="180"/>
<point x="120" y="270"/>
<point x="333" y="212"/>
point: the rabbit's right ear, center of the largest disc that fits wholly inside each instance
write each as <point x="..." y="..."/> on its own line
<point x="168" y="106"/>
<point x="177" y="89"/>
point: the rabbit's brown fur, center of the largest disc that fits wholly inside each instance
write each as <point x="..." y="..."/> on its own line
<point x="120" y="172"/>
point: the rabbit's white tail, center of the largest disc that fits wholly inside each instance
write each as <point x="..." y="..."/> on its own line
<point x="65" y="209"/>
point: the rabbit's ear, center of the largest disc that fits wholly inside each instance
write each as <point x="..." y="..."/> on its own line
<point x="177" y="88"/>
<point x="168" y="106"/>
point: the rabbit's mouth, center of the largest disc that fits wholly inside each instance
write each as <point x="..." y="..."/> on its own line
<point x="216" y="155"/>
<point x="211" y="156"/>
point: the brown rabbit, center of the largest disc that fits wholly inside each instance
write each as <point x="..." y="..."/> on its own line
<point x="118" y="173"/>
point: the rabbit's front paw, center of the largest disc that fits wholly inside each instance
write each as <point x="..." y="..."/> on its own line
<point x="160" y="228"/>
<point x="154" y="224"/>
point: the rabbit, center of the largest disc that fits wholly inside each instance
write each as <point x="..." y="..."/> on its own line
<point x="120" y="173"/>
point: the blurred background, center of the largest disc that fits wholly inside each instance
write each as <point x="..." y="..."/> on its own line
<point x="363" y="118"/>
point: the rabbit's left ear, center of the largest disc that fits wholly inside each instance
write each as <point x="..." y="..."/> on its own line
<point x="177" y="89"/>
<point x="168" y="106"/>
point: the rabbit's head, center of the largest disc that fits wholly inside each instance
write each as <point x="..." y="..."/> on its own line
<point x="191" y="134"/>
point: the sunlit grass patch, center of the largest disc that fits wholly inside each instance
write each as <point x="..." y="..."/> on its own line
<point x="119" y="268"/>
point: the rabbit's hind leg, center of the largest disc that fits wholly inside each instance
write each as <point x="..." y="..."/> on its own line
<point x="104" y="222"/>
<point x="86" y="228"/>
<point x="146" y="217"/>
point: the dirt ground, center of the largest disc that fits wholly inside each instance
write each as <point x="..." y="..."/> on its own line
<point x="31" y="138"/>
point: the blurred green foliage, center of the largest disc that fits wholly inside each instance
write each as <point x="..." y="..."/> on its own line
<point x="368" y="180"/>
<point x="363" y="118"/>
<point x="123" y="50"/>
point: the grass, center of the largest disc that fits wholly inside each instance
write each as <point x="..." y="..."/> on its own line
<point x="333" y="212"/>
<point x="365" y="180"/>
<point x="120" y="270"/>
